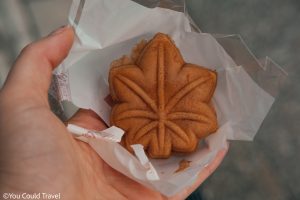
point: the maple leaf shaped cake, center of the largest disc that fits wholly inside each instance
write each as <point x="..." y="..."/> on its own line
<point x="160" y="101"/>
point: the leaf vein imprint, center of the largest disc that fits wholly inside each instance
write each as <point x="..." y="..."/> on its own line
<point x="138" y="91"/>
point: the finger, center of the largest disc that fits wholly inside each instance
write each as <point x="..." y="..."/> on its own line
<point x="31" y="74"/>
<point x="203" y="175"/>
<point x="87" y="119"/>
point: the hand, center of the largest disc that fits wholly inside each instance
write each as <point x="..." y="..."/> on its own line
<point x="38" y="154"/>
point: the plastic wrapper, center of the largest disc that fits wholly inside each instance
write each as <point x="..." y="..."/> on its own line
<point x="265" y="72"/>
<point x="177" y="5"/>
<point x="108" y="29"/>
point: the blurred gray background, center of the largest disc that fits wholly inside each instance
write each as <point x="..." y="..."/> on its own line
<point x="266" y="169"/>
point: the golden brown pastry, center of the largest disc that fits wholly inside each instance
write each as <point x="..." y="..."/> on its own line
<point x="160" y="101"/>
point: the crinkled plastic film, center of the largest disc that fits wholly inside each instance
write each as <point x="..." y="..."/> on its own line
<point x="177" y="5"/>
<point x="265" y="72"/>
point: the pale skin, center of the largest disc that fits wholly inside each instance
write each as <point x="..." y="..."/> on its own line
<point x="38" y="154"/>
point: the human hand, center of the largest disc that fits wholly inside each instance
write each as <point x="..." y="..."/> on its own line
<point x="38" y="154"/>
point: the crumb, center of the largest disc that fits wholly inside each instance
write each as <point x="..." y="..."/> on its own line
<point x="124" y="60"/>
<point x="136" y="51"/>
<point x="130" y="60"/>
<point x="183" y="164"/>
<point x="109" y="100"/>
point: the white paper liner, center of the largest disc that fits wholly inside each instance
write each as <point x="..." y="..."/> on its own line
<point x="113" y="134"/>
<point x="241" y="105"/>
<point x="142" y="157"/>
<point x="103" y="23"/>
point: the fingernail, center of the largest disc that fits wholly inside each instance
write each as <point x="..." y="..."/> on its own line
<point x="59" y="30"/>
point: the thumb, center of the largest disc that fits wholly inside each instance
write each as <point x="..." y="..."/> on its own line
<point x="31" y="74"/>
